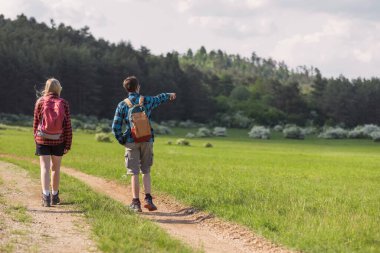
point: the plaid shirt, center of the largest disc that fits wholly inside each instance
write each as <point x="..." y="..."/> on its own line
<point x="66" y="137"/>
<point x="121" y="115"/>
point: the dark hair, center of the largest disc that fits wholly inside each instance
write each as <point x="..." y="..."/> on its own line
<point x="130" y="83"/>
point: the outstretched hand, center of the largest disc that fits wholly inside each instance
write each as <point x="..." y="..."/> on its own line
<point x="173" y="96"/>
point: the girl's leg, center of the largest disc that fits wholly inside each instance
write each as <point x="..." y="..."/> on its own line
<point x="45" y="173"/>
<point x="55" y="172"/>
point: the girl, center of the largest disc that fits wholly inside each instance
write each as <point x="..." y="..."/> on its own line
<point x="53" y="135"/>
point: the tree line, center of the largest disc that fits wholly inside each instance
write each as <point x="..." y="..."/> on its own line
<point x="212" y="87"/>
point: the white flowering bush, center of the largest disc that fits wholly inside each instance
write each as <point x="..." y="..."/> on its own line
<point x="183" y="142"/>
<point x="259" y="132"/>
<point x="163" y="130"/>
<point x="375" y="136"/>
<point x="309" y="130"/>
<point x="103" y="128"/>
<point x="190" y="135"/>
<point x="187" y="124"/>
<point x="204" y="132"/>
<point x="237" y="120"/>
<point x="220" y="131"/>
<point x="16" y="119"/>
<point x="333" y="133"/>
<point x="278" y="128"/>
<point x="160" y="129"/>
<point x="102" y="137"/>
<point x="293" y="132"/>
<point x="89" y="127"/>
<point x="169" y="123"/>
<point x="363" y="131"/>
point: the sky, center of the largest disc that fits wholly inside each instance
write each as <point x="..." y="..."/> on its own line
<point x="337" y="37"/>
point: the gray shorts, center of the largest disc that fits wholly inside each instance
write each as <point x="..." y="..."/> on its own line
<point x="138" y="156"/>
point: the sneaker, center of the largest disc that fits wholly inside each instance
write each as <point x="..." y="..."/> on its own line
<point x="55" y="199"/>
<point x="135" y="205"/>
<point x="149" y="203"/>
<point x="45" y="200"/>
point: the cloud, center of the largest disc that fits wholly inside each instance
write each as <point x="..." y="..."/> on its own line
<point x="16" y="7"/>
<point x="82" y="12"/>
<point x="230" y="27"/>
<point x="225" y="8"/>
<point x="77" y="13"/>
<point x="341" y="46"/>
<point x="368" y="9"/>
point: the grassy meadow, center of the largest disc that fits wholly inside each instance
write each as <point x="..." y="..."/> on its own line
<point x="312" y="195"/>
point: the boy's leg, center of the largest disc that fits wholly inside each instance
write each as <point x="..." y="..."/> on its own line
<point x="135" y="186"/>
<point x="146" y="182"/>
<point x="132" y="163"/>
<point x="146" y="164"/>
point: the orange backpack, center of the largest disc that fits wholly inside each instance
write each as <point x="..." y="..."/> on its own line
<point x="139" y="121"/>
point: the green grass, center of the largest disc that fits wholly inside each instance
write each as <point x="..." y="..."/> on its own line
<point x="116" y="229"/>
<point x="18" y="213"/>
<point x="7" y="248"/>
<point x="313" y="195"/>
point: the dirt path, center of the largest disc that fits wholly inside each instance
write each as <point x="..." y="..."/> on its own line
<point x="26" y="226"/>
<point x="198" y="229"/>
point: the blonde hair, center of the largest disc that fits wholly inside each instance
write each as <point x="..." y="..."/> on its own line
<point x="52" y="86"/>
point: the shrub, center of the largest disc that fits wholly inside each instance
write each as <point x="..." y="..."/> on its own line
<point x="190" y="135"/>
<point x="208" y="145"/>
<point x="76" y="124"/>
<point x="16" y="119"/>
<point x="293" y="132"/>
<point x="103" y="128"/>
<point x="363" y="131"/>
<point x="169" y="142"/>
<point x="204" y="132"/>
<point x="259" y="132"/>
<point x="237" y="120"/>
<point x="334" y="133"/>
<point x="169" y="123"/>
<point x="375" y="136"/>
<point x="183" y="142"/>
<point x="90" y="127"/>
<point x="278" y="128"/>
<point x="102" y="137"/>
<point x="240" y="120"/>
<point x="220" y="131"/>
<point x="163" y="130"/>
<point x="309" y="130"/>
<point x="187" y="124"/>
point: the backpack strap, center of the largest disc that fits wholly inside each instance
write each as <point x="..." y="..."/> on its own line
<point x="141" y="101"/>
<point x="128" y="102"/>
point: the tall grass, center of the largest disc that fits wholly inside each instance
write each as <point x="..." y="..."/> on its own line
<point x="312" y="195"/>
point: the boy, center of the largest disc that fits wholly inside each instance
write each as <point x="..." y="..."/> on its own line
<point x="138" y="155"/>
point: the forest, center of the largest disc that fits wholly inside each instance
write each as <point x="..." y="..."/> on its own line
<point x="212" y="86"/>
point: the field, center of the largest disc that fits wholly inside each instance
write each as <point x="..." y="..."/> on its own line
<point x="312" y="195"/>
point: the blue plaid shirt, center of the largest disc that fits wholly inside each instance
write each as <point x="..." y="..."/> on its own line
<point x="121" y="115"/>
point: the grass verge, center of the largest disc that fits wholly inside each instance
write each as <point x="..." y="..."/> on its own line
<point x="116" y="229"/>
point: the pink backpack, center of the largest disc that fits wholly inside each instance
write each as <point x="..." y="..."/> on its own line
<point x="52" y="117"/>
